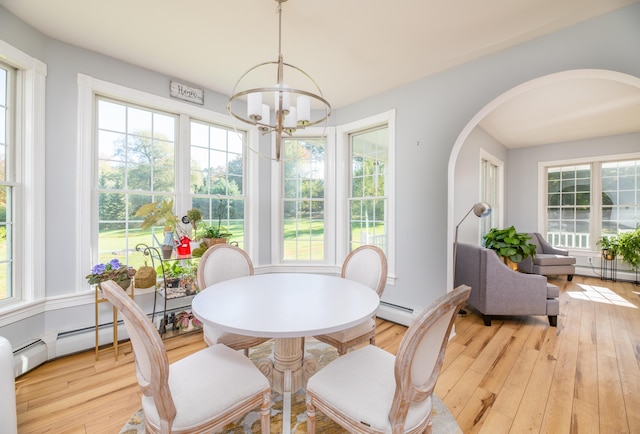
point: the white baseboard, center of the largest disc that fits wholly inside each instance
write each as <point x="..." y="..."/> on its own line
<point x="396" y="314"/>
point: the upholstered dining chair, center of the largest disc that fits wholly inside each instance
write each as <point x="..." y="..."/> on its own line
<point x="199" y="393"/>
<point x="369" y="390"/>
<point x="218" y="263"/>
<point x="367" y="265"/>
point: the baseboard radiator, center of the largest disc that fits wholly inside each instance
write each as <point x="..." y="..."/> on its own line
<point x="394" y="313"/>
<point x="29" y="356"/>
<point x="56" y="345"/>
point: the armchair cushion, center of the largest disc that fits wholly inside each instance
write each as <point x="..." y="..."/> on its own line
<point x="549" y="260"/>
<point x="546" y="259"/>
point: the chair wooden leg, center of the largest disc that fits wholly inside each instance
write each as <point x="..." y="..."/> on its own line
<point x="246" y="352"/>
<point x="311" y="416"/>
<point x="487" y="320"/>
<point x="570" y="277"/>
<point x="553" y="320"/>
<point x="265" y="414"/>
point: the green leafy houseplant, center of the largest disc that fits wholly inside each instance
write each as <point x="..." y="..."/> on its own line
<point x="194" y="215"/>
<point x="509" y="243"/>
<point x="172" y="272"/>
<point x="215" y="232"/>
<point x="161" y="213"/>
<point x="609" y="244"/>
<point x="629" y="247"/>
<point x="158" y="213"/>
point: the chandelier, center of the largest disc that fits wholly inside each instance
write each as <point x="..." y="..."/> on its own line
<point x="293" y="107"/>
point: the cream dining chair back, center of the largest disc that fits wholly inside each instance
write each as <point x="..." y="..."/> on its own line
<point x="367" y="265"/>
<point x="218" y="263"/>
<point x="400" y="398"/>
<point x="173" y="394"/>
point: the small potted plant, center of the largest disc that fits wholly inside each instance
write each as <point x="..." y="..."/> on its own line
<point x="512" y="246"/>
<point x="194" y="216"/>
<point x="216" y="234"/>
<point x="609" y="245"/>
<point x="112" y="270"/>
<point x="187" y="320"/>
<point x="172" y="272"/>
<point x="160" y="213"/>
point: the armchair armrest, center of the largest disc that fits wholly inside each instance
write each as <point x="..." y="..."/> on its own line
<point x="548" y="248"/>
<point x="508" y="292"/>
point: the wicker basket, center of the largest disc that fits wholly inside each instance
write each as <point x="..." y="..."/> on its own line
<point x="145" y="277"/>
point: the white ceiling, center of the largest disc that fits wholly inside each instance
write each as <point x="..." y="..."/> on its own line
<point x="352" y="48"/>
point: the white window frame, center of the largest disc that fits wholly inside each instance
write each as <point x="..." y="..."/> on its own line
<point x="329" y="205"/>
<point x="338" y="176"/>
<point x="86" y="216"/>
<point x="595" y="222"/>
<point x="497" y="209"/>
<point x="28" y="238"/>
<point x="343" y="170"/>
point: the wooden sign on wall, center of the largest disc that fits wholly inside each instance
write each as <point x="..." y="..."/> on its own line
<point x="187" y="93"/>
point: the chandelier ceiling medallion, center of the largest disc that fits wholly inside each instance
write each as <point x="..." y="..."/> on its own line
<point x="292" y="107"/>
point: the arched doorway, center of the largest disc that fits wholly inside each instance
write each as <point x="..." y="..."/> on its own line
<point x="600" y="100"/>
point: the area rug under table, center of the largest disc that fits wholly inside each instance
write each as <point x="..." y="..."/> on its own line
<point x="443" y="421"/>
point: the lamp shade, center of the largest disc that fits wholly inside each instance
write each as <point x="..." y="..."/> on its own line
<point x="482" y="209"/>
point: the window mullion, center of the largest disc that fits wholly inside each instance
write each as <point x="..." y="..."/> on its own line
<point x="182" y="166"/>
<point x="596" y="204"/>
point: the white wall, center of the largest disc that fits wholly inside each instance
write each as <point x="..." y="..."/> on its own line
<point x="467" y="175"/>
<point x="431" y="114"/>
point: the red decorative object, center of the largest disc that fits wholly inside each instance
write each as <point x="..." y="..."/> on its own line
<point x="184" y="248"/>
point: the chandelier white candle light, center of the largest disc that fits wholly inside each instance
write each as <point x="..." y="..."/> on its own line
<point x="291" y="107"/>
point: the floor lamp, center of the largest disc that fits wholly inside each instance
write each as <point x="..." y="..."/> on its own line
<point x="480" y="209"/>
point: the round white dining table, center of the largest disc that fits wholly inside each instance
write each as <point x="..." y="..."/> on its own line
<point x="286" y="307"/>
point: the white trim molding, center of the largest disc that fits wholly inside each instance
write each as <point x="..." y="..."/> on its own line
<point x="30" y="173"/>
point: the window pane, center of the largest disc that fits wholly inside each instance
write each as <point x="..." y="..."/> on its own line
<point x="303" y="199"/>
<point x="217" y="177"/>
<point x="368" y="202"/>
<point x="136" y="148"/>
<point x="621" y="190"/>
<point x="567" y="209"/>
<point x="7" y="147"/>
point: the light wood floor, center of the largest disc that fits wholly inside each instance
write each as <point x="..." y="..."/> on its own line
<point x="520" y="375"/>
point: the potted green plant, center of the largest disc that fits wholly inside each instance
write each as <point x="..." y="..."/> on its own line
<point x="215" y="234"/>
<point x="609" y="245"/>
<point x="160" y="213"/>
<point x="194" y="216"/>
<point x="512" y="246"/>
<point x="112" y="270"/>
<point x="187" y="320"/>
<point x="629" y="247"/>
<point x="172" y="272"/>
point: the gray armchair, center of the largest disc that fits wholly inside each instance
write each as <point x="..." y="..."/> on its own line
<point x="549" y="260"/>
<point x="498" y="290"/>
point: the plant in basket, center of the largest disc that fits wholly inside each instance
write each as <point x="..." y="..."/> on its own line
<point x="112" y="270"/>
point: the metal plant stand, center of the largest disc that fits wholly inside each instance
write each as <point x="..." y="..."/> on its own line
<point x="608" y="268"/>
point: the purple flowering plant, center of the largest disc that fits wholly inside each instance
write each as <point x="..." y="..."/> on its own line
<point x="112" y="270"/>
